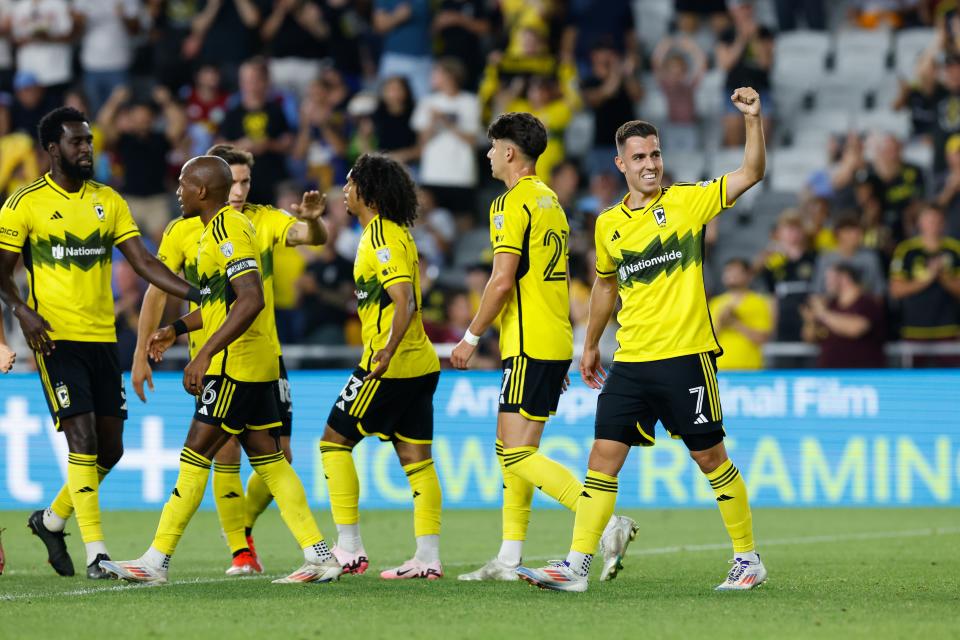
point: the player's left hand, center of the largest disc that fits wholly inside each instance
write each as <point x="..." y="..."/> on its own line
<point x="311" y="206"/>
<point x="382" y="360"/>
<point x="193" y="374"/>
<point x="7" y="357"/>
<point x="746" y="100"/>
<point x="160" y="341"/>
<point x="461" y="354"/>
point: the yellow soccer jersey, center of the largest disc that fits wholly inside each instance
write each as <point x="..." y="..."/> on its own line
<point x="656" y="254"/>
<point x="528" y="220"/>
<point x="386" y="256"/>
<point x="228" y="249"/>
<point x="272" y="225"/>
<point x="178" y="250"/>
<point x="739" y="351"/>
<point x="67" y="242"/>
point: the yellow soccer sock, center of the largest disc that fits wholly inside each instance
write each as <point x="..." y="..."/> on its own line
<point x="517" y="498"/>
<point x="228" y="496"/>
<point x="286" y="488"/>
<point x="342" y="483"/>
<point x="183" y="502"/>
<point x="734" y="506"/>
<point x="62" y="504"/>
<point x="548" y="475"/>
<point x="257" y="500"/>
<point x="597" y="500"/>
<point x="427" y="497"/>
<point x="85" y="489"/>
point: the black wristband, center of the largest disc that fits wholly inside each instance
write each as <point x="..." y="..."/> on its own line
<point x="193" y="295"/>
<point x="179" y="327"/>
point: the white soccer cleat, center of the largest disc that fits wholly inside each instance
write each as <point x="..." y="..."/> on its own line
<point x="613" y="546"/>
<point x="135" y="571"/>
<point x="492" y="570"/>
<point x="352" y="563"/>
<point x="557" y="576"/>
<point x="412" y="569"/>
<point x="744" y="574"/>
<point x="326" y="571"/>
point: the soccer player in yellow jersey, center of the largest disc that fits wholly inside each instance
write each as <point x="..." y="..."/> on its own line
<point x="650" y="252"/>
<point x="233" y="376"/>
<point x="178" y="250"/>
<point x="390" y="394"/>
<point x="65" y="227"/>
<point x="528" y="290"/>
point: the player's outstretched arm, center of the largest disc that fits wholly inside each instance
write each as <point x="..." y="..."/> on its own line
<point x="308" y="229"/>
<point x="405" y="304"/>
<point x="495" y="295"/>
<point x="155" y="272"/>
<point x="603" y="299"/>
<point x="249" y="291"/>
<point x="151" y="310"/>
<point x="747" y="101"/>
<point x="35" y="328"/>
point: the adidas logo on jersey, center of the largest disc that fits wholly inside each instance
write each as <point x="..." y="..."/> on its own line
<point x="616" y="236"/>
<point x="56" y="216"/>
<point x="701" y="419"/>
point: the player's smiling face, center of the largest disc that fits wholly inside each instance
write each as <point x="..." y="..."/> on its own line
<point x="641" y="163"/>
<point x="241" y="185"/>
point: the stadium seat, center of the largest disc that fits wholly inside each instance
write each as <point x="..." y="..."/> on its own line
<point x="907" y="47"/>
<point x="710" y="98"/>
<point x="652" y="18"/>
<point x="685" y="166"/>
<point x="839" y="95"/>
<point x="723" y="161"/>
<point x="919" y="153"/>
<point x="799" y="59"/>
<point x="860" y="57"/>
<point x="885" y="121"/>
<point x="653" y="106"/>
<point x="578" y="138"/>
<point x="813" y="128"/>
<point x="791" y="168"/>
<point x="470" y="247"/>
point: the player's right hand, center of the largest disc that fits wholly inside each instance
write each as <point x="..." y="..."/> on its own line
<point x="591" y="370"/>
<point x="159" y="342"/>
<point x="139" y="372"/>
<point x="35" y="330"/>
<point x="7" y="357"/>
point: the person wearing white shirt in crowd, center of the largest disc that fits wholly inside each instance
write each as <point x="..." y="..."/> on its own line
<point x="42" y="31"/>
<point x="106" y="49"/>
<point x="6" y="50"/>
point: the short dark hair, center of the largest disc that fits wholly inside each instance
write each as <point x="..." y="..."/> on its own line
<point x="634" y="128"/>
<point x="740" y="261"/>
<point x="231" y="154"/>
<point x="848" y="221"/>
<point x="385" y="185"/>
<point x="50" y="128"/>
<point x="850" y="270"/>
<point x="523" y="129"/>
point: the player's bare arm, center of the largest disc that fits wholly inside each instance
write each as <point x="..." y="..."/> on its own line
<point x="7" y="355"/>
<point x="163" y="338"/>
<point x="495" y="295"/>
<point x="151" y="310"/>
<point x="603" y="300"/>
<point x="35" y="328"/>
<point x="405" y="304"/>
<point x="747" y="101"/>
<point x="155" y="272"/>
<point x="249" y="291"/>
<point x="308" y="229"/>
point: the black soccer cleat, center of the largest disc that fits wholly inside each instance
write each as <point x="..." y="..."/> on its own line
<point x="95" y="572"/>
<point x="57" y="554"/>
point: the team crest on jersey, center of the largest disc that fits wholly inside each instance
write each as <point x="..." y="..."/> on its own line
<point x="226" y="249"/>
<point x="498" y="221"/>
<point x="101" y="214"/>
<point x="383" y="255"/>
<point x="660" y="216"/>
<point x="63" y="396"/>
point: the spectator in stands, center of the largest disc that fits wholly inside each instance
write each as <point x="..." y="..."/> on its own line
<point x="947" y="106"/>
<point x="6" y="48"/>
<point x="257" y="124"/>
<point x="925" y="278"/>
<point x="848" y="324"/>
<point x="948" y="191"/>
<point x="42" y="31"/>
<point x="106" y="47"/>
<point x="512" y="68"/>
<point x="565" y="182"/>
<point x="849" y="250"/>
<point x="901" y="183"/>
<point x="294" y="34"/>
<point x="691" y="13"/>
<point x="321" y="142"/>
<point x="813" y="12"/>
<point x="205" y="104"/>
<point x="170" y="26"/>
<point x="787" y="272"/>
<point x="327" y="291"/>
<point x="816" y="213"/>
<point x="22" y="111"/>
<point x="141" y="146"/>
<point x="679" y="65"/>
<point x="404" y="26"/>
<point x="919" y="97"/>
<point x="448" y="122"/>
<point x="745" y="53"/>
<point x="289" y="265"/>
<point x="223" y="34"/>
<point x="880" y="14"/>
<point x="610" y="93"/>
<point x="594" y="23"/>
<point x="605" y="190"/>
<point x="742" y="319"/>
<point x="435" y="231"/>
<point x="391" y="121"/>
<point x="459" y="27"/>
<point x="877" y="236"/>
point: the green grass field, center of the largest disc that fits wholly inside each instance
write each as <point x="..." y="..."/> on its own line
<point x="834" y="573"/>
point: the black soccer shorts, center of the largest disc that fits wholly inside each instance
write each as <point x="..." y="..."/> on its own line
<point x="393" y="409"/>
<point x="236" y="406"/>
<point x="285" y="401"/>
<point x="532" y="387"/>
<point x="82" y="377"/>
<point x="681" y="393"/>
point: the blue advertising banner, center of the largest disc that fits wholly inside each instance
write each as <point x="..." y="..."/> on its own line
<point x="800" y="439"/>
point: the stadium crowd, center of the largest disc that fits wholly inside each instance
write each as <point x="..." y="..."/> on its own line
<point x="864" y="253"/>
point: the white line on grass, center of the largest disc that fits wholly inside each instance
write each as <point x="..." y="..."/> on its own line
<point x="654" y="551"/>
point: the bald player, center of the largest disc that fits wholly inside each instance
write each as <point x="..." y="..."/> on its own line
<point x="234" y="388"/>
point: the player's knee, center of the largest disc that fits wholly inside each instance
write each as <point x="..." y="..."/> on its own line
<point x="608" y="456"/>
<point x="81" y="438"/>
<point x="709" y="459"/>
<point x="229" y="453"/>
<point x="333" y="437"/>
<point x="109" y="459"/>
